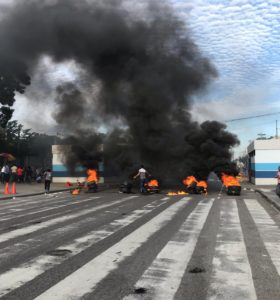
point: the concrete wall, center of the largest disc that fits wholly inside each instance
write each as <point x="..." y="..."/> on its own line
<point x="60" y="172"/>
<point x="264" y="158"/>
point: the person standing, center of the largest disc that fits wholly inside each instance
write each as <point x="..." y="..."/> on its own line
<point x="14" y="173"/>
<point x="143" y="174"/>
<point x="28" y="174"/>
<point x="48" y="180"/>
<point x="20" y="174"/>
<point x="3" y="174"/>
<point x="278" y="182"/>
<point x="7" y="173"/>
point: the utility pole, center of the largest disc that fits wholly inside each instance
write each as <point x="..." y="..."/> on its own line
<point x="276" y="136"/>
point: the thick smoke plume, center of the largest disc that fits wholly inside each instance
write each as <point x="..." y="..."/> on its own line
<point x="146" y="67"/>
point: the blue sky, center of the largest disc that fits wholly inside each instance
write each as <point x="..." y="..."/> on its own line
<point x="241" y="38"/>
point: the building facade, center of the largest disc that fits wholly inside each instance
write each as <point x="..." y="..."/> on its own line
<point x="60" y="172"/>
<point x="264" y="159"/>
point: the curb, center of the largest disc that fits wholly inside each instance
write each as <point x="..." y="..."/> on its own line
<point x="273" y="202"/>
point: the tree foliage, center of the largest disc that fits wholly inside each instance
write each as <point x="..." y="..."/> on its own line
<point x="25" y="144"/>
<point x="13" y="78"/>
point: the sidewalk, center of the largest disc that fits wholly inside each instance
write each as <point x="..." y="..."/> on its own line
<point x="31" y="189"/>
<point x="267" y="191"/>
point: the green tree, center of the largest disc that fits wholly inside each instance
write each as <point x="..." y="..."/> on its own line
<point x="13" y="78"/>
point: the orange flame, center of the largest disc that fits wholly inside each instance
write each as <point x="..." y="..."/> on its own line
<point x="76" y="192"/>
<point x="92" y="175"/>
<point x="202" y="183"/>
<point x="153" y="182"/>
<point x="176" y="193"/>
<point x="229" y="180"/>
<point x="189" y="180"/>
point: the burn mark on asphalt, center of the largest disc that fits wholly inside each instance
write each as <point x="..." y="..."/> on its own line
<point x="59" y="252"/>
<point x="36" y="222"/>
<point x="197" y="270"/>
<point x="140" y="290"/>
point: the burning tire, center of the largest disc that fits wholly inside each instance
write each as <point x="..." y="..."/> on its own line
<point x="234" y="190"/>
<point x="200" y="190"/>
<point x="126" y="187"/>
<point x="92" y="187"/>
<point x="192" y="188"/>
<point x="152" y="187"/>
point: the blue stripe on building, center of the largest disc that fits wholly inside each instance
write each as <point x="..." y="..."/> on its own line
<point x="63" y="168"/>
<point x="265" y="166"/>
<point x="264" y="174"/>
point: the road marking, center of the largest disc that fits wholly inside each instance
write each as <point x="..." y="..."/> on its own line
<point x="24" y="204"/>
<point x="48" y="209"/>
<point x="231" y="274"/>
<point x="32" y="228"/>
<point x="162" y="279"/>
<point x="85" y="279"/>
<point x="20" y="275"/>
<point x="268" y="229"/>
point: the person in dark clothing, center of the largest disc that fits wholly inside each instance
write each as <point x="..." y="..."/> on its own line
<point x="48" y="180"/>
<point x="28" y="174"/>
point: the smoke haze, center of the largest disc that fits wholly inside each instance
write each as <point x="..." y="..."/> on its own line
<point x="141" y="71"/>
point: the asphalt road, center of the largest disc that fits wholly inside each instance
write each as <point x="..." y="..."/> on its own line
<point x="116" y="246"/>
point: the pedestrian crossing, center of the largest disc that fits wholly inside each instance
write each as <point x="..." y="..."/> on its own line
<point x="111" y="246"/>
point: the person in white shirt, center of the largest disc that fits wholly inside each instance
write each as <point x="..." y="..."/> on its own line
<point x="48" y="180"/>
<point x="14" y="173"/>
<point x="3" y="174"/>
<point x="143" y="174"/>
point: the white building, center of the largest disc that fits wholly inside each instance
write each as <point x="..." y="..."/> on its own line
<point x="264" y="159"/>
<point x="60" y="171"/>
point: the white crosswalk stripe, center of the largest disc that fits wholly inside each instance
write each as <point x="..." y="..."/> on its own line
<point x="269" y="230"/>
<point x="115" y="231"/>
<point x="27" y="271"/>
<point x="29" y="229"/>
<point x="231" y="276"/>
<point x="163" y="277"/>
<point x="24" y="214"/>
<point x="85" y="279"/>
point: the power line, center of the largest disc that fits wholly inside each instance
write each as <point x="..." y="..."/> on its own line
<point x="252" y="117"/>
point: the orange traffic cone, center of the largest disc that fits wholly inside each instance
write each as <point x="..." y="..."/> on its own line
<point x="14" y="189"/>
<point x="6" y="190"/>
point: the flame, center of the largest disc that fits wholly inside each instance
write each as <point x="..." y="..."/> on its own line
<point x="76" y="192"/>
<point x="92" y="175"/>
<point x="202" y="183"/>
<point x="189" y="180"/>
<point x="153" y="182"/>
<point x="176" y="193"/>
<point x="229" y="180"/>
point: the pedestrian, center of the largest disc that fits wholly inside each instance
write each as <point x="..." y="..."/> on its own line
<point x="6" y="173"/>
<point x="28" y="175"/>
<point x="48" y="180"/>
<point x="3" y="174"/>
<point x="20" y="174"/>
<point x="38" y="173"/>
<point x="278" y="182"/>
<point x="14" y="173"/>
<point x="143" y="174"/>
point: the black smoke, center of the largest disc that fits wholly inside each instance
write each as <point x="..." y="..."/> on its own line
<point x="146" y="66"/>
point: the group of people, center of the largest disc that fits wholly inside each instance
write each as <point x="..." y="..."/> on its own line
<point x="14" y="174"/>
<point x="19" y="174"/>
